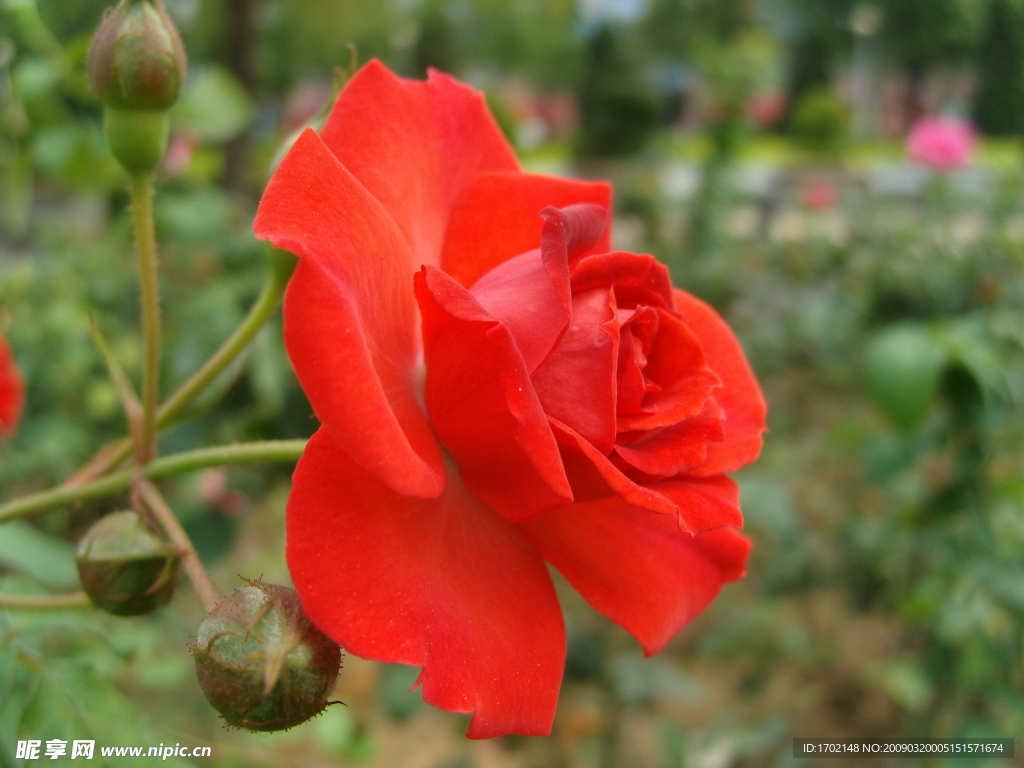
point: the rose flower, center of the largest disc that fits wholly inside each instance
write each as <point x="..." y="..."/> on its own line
<point x="12" y="391"/>
<point x="498" y="390"/>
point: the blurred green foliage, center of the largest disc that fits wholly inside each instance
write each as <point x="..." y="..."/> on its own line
<point x="886" y="590"/>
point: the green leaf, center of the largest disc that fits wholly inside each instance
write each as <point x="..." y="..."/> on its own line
<point x="48" y="560"/>
<point x="215" y="107"/>
<point x="904" y="364"/>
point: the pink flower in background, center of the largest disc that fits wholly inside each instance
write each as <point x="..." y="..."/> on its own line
<point x="180" y="149"/>
<point x="944" y="143"/>
<point x="820" y="194"/>
<point x="766" y="109"/>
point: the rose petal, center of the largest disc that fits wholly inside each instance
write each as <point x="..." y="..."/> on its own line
<point x="350" y="316"/>
<point x="705" y="503"/>
<point x="676" y="363"/>
<point x="638" y="278"/>
<point x="638" y="568"/>
<point x="577" y="384"/>
<point x="569" y="233"/>
<point x="417" y="147"/>
<point x="443" y="583"/>
<point x="540" y="282"/>
<point x="632" y="388"/>
<point x="676" y="448"/>
<point x="498" y="218"/>
<point x="592" y="476"/>
<point x="525" y="281"/>
<point x="740" y="396"/>
<point x="482" y="405"/>
<point x="12" y="391"/>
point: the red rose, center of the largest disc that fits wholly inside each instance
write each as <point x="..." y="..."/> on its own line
<point x="12" y="391"/>
<point x="488" y="405"/>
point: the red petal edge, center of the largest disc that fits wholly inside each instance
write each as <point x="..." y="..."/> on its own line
<point x="482" y="405"/>
<point x="739" y="396"/>
<point x="417" y="147"/>
<point x="350" y="316"/>
<point x="444" y="583"/>
<point x="638" y="568"/>
<point x="498" y="218"/>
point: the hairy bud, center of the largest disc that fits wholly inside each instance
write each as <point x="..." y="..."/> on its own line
<point x="261" y="662"/>
<point x="136" y="60"/>
<point x="124" y="568"/>
<point x="137" y="66"/>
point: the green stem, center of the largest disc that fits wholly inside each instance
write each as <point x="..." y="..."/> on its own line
<point x="264" y="308"/>
<point x="145" y="243"/>
<point x="158" y="469"/>
<point x="111" y="455"/>
<point x="174" y="531"/>
<point x="45" y="602"/>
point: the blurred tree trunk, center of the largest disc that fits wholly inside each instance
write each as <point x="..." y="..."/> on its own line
<point x="239" y="59"/>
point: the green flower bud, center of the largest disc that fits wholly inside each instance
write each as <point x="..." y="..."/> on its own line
<point x="261" y="662"/>
<point x="137" y="66"/>
<point x="124" y="568"/>
<point x="136" y="60"/>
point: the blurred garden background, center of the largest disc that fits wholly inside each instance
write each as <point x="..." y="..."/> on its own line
<point x="759" y="147"/>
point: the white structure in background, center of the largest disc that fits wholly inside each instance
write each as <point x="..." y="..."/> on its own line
<point x="595" y="12"/>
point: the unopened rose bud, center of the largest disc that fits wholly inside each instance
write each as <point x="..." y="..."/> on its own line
<point x="136" y="60"/>
<point x="261" y="662"/>
<point x="137" y="66"/>
<point x="124" y="568"/>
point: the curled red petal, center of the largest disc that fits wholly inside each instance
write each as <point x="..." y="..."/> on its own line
<point x="592" y="476"/>
<point x="677" y="448"/>
<point x="525" y="281"/>
<point x="482" y="405"/>
<point x="677" y="365"/>
<point x="739" y="396"/>
<point x="705" y="503"/>
<point x="638" y="568"/>
<point x="417" y="147"/>
<point x="577" y="383"/>
<point x="12" y="391"/>
<point x="530" y="294"/>
<point x="350" y="316"/>
<point x="638" y="278"/>
<point x="497" y="219"/>
<point x="443" y="583"/>
<point x="569" y="233"/>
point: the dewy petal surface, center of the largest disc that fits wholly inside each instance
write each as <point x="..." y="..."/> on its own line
<point x="350" y="316"/>
<point x="417" y="147"/>
<point x="444" y="583"/>
<point x="739" y="396"/>
<point x="638" y="568"/>
<point x="12" y="391"/>
<point x="482" y="405"/>
<point x="498" y="218"/>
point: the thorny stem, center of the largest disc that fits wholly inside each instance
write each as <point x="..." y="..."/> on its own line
<point x="145" y="243"/>
<point x="172" y="528"/>
<point x="113" y="454"/>
<point x="167" y="466"/>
